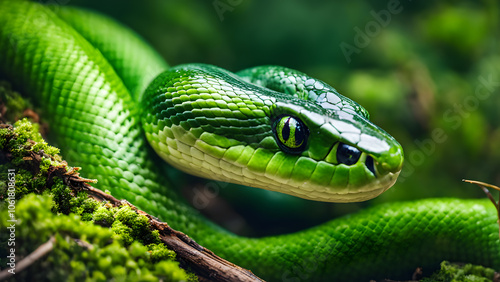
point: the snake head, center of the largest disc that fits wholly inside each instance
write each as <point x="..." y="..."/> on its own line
<point x="344" y="157"/>
<point x="320" y="146"/>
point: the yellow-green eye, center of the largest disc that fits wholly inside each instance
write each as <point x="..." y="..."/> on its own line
<point x="291" y="134"/>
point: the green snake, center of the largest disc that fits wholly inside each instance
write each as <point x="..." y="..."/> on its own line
<point x="107" y="95"/>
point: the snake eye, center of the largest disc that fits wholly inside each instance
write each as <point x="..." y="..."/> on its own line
<point x="347" y="154"/>
<point x="291" y="134"/>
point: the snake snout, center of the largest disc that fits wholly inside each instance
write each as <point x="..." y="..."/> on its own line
<point x="390" y="162"/>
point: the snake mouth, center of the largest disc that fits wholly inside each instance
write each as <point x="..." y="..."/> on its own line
<point x="379" y="184"/>
<point x="382" y="184"/>
<point x="350" y="194"/>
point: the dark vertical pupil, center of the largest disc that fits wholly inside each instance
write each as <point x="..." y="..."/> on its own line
<point x="286" y="130"/>
<point x="291" y="134"/>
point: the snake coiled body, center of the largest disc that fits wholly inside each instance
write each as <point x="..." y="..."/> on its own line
<point x="88" y="75"/>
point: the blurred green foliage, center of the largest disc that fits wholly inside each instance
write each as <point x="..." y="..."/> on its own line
<point x="428" y="73"/>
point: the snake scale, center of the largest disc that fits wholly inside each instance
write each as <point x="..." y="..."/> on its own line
<point x="267" y="127"/>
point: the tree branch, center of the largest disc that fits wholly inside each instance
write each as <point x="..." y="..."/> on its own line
<point x="200" y="260"/>
<point x="41" y="251"/>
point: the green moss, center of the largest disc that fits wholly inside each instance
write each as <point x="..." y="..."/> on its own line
<point x="167" y="269"/>
<point x="85" y="247"/>
<point x="45" y="165"/>
<point x="25" y="182"/>
<point x="4" y="137"/>
<point x="99" y="257"/>
<point x="84" y="206"/>
<point x="63" y="197"/>
<point x="14" y="103"/>
<point x="129" y="225"/>
<point x="457" y="273"/>
<point x="122" y="232"/>
<point x="159" y="252"/>
<point x="19" y="144"/>
<point x="103" y="216"/>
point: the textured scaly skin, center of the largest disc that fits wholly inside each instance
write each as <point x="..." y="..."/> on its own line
<point x="208" y="122"/>
<point x="96" y="123"/>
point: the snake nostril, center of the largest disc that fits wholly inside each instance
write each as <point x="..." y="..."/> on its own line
<point x="370" y="166"/>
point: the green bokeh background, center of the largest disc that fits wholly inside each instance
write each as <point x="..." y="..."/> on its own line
<point x="429" y="75"/>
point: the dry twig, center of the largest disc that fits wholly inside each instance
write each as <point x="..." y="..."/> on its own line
<point x="41" y="251"/>
<point x="484" y="186"/>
